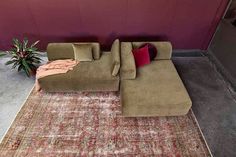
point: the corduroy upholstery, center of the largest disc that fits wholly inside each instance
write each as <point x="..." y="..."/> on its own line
<point x="157" y="89"/>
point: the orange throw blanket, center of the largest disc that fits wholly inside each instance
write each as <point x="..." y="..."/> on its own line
<point x="52" y="68"/>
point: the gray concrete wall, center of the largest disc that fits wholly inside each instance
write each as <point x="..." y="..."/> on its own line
<point x="231" y="12"/>
<point x="223" y="50"/>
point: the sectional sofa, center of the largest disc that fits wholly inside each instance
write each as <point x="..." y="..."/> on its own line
<point x="153" y="90"/>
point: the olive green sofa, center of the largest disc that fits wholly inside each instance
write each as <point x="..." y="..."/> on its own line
<point x="154" y="89"/>
<point x="101" y="74"/>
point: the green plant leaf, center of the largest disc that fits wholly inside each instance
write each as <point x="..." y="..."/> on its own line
<point x="15" y="41"/>
<point x="25" y="64"/>
<point x="35" y="43"/>
<point x="29" y="62"/>
<point x="37" y="53"/>
<point x="13" y="49"/>
<point x="26" y="67"/>
<point x="2" y="54"/>
<point x="20" y="68"/>
<point x="15" y="57"/>
<point x="16" y="44"/>
<point x="32" y="66"/>
<point x="32" y="49"/>
<point x="25" y="42"/>
<point x="37" y="58"/>
<point x="9" y="62"/>
<point x="15" y="65"/>
<point x="26" y="71"/>
<point x="36" y="61"/>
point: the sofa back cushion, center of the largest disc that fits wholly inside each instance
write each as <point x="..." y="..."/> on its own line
<point x="164" y="48"/>
<point x="115" y="51"/>
<point x="60" y="51"/>
<point x="128" y="68"/>
<point x="65" y="50"/>
<point x="83" y="52"/>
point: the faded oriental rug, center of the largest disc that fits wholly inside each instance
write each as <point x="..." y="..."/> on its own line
<point x="91" y="124"/>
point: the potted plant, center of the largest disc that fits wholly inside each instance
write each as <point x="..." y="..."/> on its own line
<point x="23" y="57"/>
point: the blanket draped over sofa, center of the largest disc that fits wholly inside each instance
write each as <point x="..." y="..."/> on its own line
<point x="54" y="67"/>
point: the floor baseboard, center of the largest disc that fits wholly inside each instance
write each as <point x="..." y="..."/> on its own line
<point x="188" y="53"/>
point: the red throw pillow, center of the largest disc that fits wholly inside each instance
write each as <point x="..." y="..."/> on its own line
<point x="141" y="56"/>
<point x="151" y="49"/>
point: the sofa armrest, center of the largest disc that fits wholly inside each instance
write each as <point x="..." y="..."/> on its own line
<point x="65" y="50"/>
<point x="128" y="67"/>
<point x="164" y="48"/>
<point x="115" y="52"/>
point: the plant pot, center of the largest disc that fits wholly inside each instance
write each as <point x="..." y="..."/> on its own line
<point x="33" y="72"/>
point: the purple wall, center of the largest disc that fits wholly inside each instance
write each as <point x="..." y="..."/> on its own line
<point x="188" y="24"/>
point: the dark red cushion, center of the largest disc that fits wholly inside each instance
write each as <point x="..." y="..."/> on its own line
<point x="141" y="56"/>
<point x="151" y="49"/>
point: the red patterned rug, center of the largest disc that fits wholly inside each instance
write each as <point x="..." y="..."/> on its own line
<point x="90" y="124"/>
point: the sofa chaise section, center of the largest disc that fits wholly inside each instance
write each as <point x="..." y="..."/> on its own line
<point x="157" y="89"/>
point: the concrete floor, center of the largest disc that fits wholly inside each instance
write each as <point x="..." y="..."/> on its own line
<point x="14" y="89"/>
<point x="213" y="102"/>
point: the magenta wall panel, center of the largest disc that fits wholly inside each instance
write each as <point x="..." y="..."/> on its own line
<point x="188" y="24"/>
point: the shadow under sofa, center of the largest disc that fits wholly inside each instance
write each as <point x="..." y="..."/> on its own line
<point x="154" y="89"/>
<point x="94" y="75"/>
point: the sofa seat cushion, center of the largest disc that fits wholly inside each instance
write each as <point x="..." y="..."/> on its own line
<point x="86" y="76"/>
<point x="156" y="91"/>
